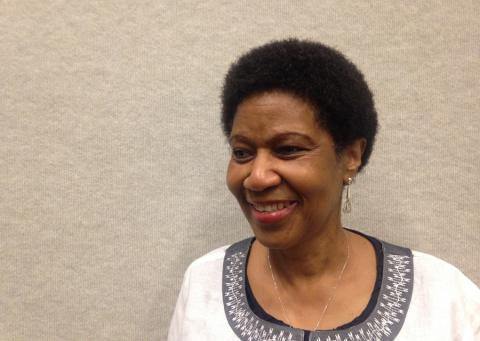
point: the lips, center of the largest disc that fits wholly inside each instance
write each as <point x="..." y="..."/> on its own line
<point x="272" y="212"/>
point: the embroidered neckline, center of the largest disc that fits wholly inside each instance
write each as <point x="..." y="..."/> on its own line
<point x="383" y="324"/>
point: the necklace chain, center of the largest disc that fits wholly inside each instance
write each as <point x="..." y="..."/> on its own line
<point x="331" y="297"/>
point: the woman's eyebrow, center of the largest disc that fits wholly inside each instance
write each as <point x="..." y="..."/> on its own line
<point x="280" y="137"/>
<point x="285" y="136"/>
<point x="239" y="138"/>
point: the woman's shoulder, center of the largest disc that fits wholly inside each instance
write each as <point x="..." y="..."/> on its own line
<point x="434" y="271"/>
<point x="440" y="272"/>
<point x="426" y="267"/>
<point x="210" y="261"/>
<point x="444" y="294"/>
<point x="210" y="257"/>
<point x="215" y="258"/>
<point x="427" y="272"/>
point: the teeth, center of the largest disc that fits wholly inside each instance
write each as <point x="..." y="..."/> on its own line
<point x="271" y="207"/>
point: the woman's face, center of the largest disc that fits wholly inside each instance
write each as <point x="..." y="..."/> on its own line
<point x="284" y="170"/>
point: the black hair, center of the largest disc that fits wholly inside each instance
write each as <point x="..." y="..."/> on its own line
<point x="318" y="74"/>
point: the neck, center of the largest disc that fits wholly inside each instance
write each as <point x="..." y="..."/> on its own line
<point x="316" y="258"/>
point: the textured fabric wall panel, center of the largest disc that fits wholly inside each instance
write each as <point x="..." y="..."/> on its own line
<point x="113" y="162"/>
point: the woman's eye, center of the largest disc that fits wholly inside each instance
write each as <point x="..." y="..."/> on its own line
<point x="289" y="150"/>
<point x="241" y="154"/>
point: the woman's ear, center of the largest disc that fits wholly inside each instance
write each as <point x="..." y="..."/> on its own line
<point x="352" y="157"/>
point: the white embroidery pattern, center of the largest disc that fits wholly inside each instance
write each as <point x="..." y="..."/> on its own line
<point x="249" y="326"/>
<point x="390" y="307"/>
<point x="383" y="324"/>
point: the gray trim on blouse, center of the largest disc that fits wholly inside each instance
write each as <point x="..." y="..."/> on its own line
<point x="383" y="324"/>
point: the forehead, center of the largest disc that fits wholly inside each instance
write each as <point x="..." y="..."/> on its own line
<point x="273" y="113"/>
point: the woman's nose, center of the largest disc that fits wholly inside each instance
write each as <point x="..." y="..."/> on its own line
<point x="262" y="174"/>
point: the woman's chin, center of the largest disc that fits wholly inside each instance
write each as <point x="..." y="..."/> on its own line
<point x="275" y="239"/>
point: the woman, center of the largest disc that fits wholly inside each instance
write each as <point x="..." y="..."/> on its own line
<point x="301" y="124"/>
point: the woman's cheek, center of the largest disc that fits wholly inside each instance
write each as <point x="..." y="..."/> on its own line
<point x="234" y="178"/>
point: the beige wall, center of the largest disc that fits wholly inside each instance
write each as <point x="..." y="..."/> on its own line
<point x="112" y="161"/>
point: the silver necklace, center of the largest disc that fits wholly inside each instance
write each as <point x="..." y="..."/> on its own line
<point x="330" y="299"/>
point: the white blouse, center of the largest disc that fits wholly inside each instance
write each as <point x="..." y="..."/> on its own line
<point x="421" y="298"/>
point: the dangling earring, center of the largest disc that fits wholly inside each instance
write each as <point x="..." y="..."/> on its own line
<point x="347" y="206"/>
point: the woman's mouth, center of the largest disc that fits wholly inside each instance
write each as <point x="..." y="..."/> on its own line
<point x="272" y="212"/>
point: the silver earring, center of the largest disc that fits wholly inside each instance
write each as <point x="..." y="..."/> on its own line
<point x="347" y="205"/>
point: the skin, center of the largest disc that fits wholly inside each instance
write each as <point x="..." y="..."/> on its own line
<point x="281" y="154"/>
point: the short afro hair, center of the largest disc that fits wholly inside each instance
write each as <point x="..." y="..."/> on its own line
<point x="316" y="73"/>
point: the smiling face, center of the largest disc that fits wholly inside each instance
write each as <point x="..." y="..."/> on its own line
<point x="284" y="170"/>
